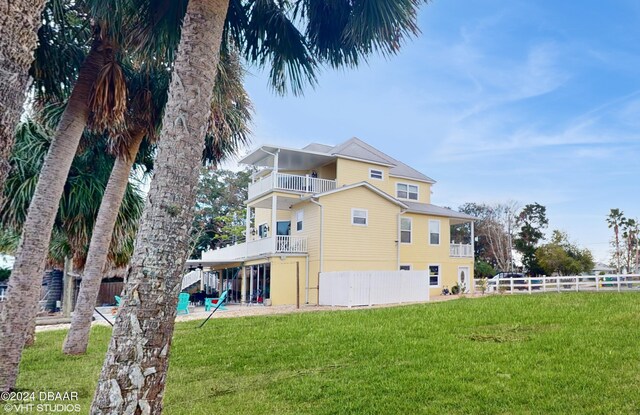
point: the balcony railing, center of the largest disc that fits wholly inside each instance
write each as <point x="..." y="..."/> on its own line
<point x="264" y="246"/>
<point x="290" y="182"/>
<point x="292" y="244"/>
<point x="461" y="251"/>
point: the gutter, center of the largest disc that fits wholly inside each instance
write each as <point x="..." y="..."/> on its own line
<point x="315" y="202"/>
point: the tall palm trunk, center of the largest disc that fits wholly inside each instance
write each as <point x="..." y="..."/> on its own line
<point x="78" y="335"/>
<point x="19" y="24"/>
<point x="26" y="277"/>
<point x="135" y="368"/>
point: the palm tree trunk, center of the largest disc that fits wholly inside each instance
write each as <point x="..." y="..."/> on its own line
<point x="25" y="281"/>
<point x="19" y="24"/>
<point x="78" y="335"/>
<point x="135" y="368"/>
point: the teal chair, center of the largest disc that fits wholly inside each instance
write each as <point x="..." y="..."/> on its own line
<point x="209" y="302"/>
<point x="183" y="303"/>
<point x="118" y="300"/>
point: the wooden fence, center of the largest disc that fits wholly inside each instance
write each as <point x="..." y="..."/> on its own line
<point x="530" y="285"/>
<point x="357" y="288"/>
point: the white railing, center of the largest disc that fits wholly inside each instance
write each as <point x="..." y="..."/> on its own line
<point x="284" y="244"/>
<point x="290" y="182"/>
<point x="574" y="283"/>
<point x="292" y="244"/>
<point x="461" y="251"/>
<point x="191" y="278"/>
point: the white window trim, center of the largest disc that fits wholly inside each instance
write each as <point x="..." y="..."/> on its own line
<point x="301" y="220"/>
<point x="439" y="275"/>
<point x="439" y="231"/>
<point x="407" y="198"/>
<point x="366" y="217"/>
<point x="405" y="265"/>
<point x="375" y="178"/>
<point x="410" y="231"/>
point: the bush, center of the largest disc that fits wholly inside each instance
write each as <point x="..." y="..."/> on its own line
<point x="4" y="274"/>
<point x="483" y="269"/>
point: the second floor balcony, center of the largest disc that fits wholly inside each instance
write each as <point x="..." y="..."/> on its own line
<point x="461" y="250"/>
<point x="290" y="183"/>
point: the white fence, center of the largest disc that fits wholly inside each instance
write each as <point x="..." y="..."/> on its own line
<point x="357" y="288"/>
<point x="529" y="285"/>
<point x="292" y="244"/>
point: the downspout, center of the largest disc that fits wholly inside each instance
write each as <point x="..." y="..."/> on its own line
<point x="306" y="267"/>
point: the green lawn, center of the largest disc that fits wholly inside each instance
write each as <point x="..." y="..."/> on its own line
<point x="532" y="354"/>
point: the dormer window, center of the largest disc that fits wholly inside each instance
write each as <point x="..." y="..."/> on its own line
<point x="406" y="191"/>
<point x="376" y="174"/>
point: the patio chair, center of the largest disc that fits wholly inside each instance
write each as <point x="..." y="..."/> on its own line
<point x="209" y="302"/>
<point x="183" y="303"/>
<point x="118" y="300"/>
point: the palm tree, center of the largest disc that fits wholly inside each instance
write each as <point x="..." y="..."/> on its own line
<point x="337" y="33"/>
<point x="615" y="220"/>
<point x="230" y="116"/>
<point x="19" y="23"/>
<point x="99" y="92"/>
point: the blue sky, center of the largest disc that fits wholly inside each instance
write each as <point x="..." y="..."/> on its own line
<point x="497" y="101"/>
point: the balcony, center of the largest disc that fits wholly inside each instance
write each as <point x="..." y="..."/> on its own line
<point x="284" y="244"/>
<point x="460" y="251"/>
<point x="291" y="183"/>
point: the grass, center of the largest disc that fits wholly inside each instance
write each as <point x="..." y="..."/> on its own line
<point x="527" y="354"/>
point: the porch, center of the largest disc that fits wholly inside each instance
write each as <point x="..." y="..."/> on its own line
<point x="280" y="244"/>
<point x="291" y="183"/>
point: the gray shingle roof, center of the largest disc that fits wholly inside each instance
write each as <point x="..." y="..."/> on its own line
<point x="357" y="148"/>
<point x="429" y="209"/>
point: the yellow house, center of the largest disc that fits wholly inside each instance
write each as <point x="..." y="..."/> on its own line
<point x="337" y="208"/>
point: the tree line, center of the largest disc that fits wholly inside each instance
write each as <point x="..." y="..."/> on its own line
<point x="504" y="230"/>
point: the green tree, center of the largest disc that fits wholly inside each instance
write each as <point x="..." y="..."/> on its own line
<point x="220" y="211"/>
<point x="482" y="269"/>
<point x="531" y="221"/>
<point x="293" y="38"/>
<point x="562" y="257"/>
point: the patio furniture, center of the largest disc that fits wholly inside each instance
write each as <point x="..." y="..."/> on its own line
<point x="209" y="302"/>
<point x="118" y="300"/>
<point x="183" y="303"/>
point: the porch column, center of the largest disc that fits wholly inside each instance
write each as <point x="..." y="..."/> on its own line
<point x="473" y="241"/>
<point x="243" y="292"/>
<point x="247" y="225"/>
<point x="274" y="221"/>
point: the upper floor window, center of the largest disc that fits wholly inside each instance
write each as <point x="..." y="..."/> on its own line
<point x="405" y="230"/>
<point x="376" y="174"/>
<point x="299" y="219"/>
<point x="405" y="267"/>
<point x="359" y="217"/>
<point x="434" y="232"/>
<point x="406" y="191"/>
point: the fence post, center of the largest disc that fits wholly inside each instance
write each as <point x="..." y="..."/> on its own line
<point x="577" y="280"/>
<point x="544" y="283"/>
<point x="529" y="284"/>
<point x="511" y="285"/>
<point x="618" y="278"/>
<point x="597" y="284"/>
<point x="558" y="282"/>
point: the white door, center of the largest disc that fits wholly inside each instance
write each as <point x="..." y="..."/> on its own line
<point x="464" y="279"/>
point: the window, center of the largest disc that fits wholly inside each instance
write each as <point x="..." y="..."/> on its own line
<point x="359" y="217"/>
<point x="406" y="267"/>
<point x="263" y="230"/>
<point x="406" y="191"/>
<point x="376" y="174"/>
<point x="299" y="219"/>
<point x="405" y="230"/>
<point x="434" y="275"/>
<point x="434" y="232"/>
